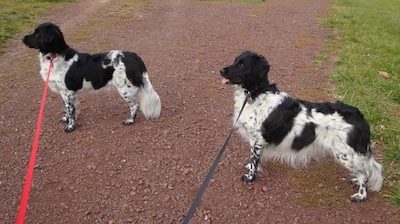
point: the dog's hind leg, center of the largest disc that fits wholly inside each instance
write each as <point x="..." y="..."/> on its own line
<point x="133" y="105"/>
<point x="69" y="99"/>
<point x="252" y="166"/>
<point x="356" y="164"/>
<point x="361" y="195"/>
<point x="130" y="95"/>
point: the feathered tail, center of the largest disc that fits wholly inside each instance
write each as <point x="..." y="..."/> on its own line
<point x="375" y="175"/>
<point x="149" y="101"/>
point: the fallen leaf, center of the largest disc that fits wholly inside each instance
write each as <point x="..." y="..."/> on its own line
<point x="385" y="74"/>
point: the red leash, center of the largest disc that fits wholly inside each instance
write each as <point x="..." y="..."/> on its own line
<point x="31" y="165"/>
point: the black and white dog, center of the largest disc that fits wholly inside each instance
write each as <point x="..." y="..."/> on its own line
<point x="74" y="72"/>
<point x="280" y="128"/>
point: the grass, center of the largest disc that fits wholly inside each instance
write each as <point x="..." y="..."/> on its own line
<point x="16" y="14"/>
<point x="320" y="58"/>
<point x="246" y="1"/>
<point x="367" y="73"/>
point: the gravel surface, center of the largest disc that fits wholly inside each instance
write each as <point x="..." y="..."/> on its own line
<point x="150" y="172"/>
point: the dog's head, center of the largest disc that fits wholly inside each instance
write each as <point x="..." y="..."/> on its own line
<point x="248" y="70"/>
<point x="47" y="38"/>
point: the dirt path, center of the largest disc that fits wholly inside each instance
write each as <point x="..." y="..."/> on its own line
<point x="150" y="172"/>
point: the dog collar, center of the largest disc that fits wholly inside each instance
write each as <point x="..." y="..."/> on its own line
<point x="51" y="57"/>
<point x="252" y="95"/>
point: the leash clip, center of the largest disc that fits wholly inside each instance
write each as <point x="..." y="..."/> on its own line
<point x="51" y="57"/>
<point x="249" y="99"/>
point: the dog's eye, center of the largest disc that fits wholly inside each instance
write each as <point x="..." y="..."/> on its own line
<point x="241" y="65"/>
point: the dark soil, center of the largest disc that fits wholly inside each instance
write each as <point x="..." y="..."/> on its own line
<point x="150" y="172"/>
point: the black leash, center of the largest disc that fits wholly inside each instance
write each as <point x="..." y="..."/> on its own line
<point x="211" y="172"/>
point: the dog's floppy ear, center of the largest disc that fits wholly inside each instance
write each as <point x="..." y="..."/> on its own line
<point x="261" y="64"/>
<point x="51" y="39"/>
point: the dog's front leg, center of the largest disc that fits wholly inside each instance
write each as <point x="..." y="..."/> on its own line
<point x="70" y="110"/>
<point x="252" y="166"/>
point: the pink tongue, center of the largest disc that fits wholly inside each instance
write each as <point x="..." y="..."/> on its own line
<point x="224" y="81"/>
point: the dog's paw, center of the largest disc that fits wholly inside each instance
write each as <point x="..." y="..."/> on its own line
<point x="69" y="129"/>
<point x="248" y="166"/>
<point x="354" y="181"/>
<point x="358" y="198"/>
<point x="248" y="178"/>
<point x="64" y="120"/>
<point x="129" y="121"/>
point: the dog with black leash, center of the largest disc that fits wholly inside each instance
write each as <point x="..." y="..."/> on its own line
<point x="74" y="72"/>
<point x="280" y="128"/>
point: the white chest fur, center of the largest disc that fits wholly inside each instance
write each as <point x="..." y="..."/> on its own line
<point x="255" y="112"/>
<point x="58" y="68"/>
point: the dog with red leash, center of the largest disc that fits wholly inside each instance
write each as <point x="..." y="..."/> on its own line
<point x="75" y="72"/>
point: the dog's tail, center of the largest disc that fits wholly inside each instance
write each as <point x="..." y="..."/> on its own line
<point x="375" y="174"/>
<point x="149" y="101"/>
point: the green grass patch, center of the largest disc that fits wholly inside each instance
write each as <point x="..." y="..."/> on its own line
<point x="16" y="14"/>
<point x="246" y="1"/>
<point x="320" y="58"/>
<point x="368" y="73"/>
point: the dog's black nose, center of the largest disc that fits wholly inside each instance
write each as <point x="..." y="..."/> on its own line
<point x="25" y="40"/>
<point x="222" y="71"/>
